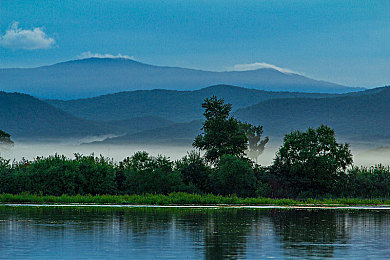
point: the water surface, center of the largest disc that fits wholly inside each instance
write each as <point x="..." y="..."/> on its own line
<point x="192" y="233"/>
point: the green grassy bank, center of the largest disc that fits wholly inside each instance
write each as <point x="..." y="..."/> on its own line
<point x="182" y="199"/>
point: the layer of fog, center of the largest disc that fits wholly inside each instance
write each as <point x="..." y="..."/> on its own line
<point x="362" y="157"/>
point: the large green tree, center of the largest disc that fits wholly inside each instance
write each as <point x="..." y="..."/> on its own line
<point x="221" y="133"/>
<point x="310" y="163"/>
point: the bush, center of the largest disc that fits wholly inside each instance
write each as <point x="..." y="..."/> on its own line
<point x="57" y="175"/>
<point x="54" y="175"/>
<point x="371" y="182"/>
<point x="234" y="175"/>
<point x="194" y="172"/>
<point x="97" y="175"/>
<point x="146" y="174"/>
<point x="7" y="177"/>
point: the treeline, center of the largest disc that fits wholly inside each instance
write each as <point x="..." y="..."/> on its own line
<point x="309" y="164"/>
<point x="142" y="173"/>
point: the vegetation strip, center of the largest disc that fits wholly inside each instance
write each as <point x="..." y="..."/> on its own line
<point x="309" y="164"/>
<point x="180" y="198"/>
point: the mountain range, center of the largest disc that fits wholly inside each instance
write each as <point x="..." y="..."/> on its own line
<point x="355" y="117"/>
<point x="97" y="76"/>
<point x="359" y="117"/>
<point x="163" y="116"/>
<point x="179" y="106"/>
<point x="174" y="115"/>
<point x="27" y="117"/>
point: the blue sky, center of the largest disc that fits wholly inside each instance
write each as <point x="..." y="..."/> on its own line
<point x="346" y="42"/>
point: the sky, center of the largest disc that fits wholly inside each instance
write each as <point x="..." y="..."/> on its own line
<point x="346" y="42"/>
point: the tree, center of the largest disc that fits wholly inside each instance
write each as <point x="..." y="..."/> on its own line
<point x="310" y="163"/>
<point x="234" y="175"/>
<point x="5" y="142"/>
<point x="255" y="146"/>
<point x="194" y="171"/>
<point x="222" y="134"/>
<point x="5" y="138"/>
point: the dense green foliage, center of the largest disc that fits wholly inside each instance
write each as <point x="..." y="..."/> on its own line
<point x="195" y="172"/>
<point x="234" y="175"/>
<point x="311" y="162"/>
<point x="222" y="134"/>
<point x="145" y="174"/>
<point x="371" y="182"/>
<point x="141" y="173"/>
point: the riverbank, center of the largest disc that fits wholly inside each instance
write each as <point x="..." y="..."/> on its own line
<point x="184" y="199"/>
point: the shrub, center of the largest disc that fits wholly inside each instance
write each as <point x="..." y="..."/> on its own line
<point x="97" y="174"/>
<point x="54" y="175"/>
<point x="371" y="182"/>
<point x="234" y="175"/>
<point x="146" y="174"/>
<point x="7" y="177"/>
<point x="57" y="175"/>
<point x="194" y="172"/>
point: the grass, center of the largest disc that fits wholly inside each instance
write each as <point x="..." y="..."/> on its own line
<point x="181" y="198"/>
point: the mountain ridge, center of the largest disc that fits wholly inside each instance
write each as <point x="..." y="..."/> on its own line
<point x="97" y="76"/>
<point x="179" y="106"/>
<point x="27" y="117"/>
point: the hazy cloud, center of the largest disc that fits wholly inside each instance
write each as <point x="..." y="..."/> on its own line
<point x="89" y="54"/>
<point x="17" y="38"/>
<point x="260" y="65"/>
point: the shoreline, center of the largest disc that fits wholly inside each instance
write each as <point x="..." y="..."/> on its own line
<point x="362" y="207"/>
<point x="181" y="199"/>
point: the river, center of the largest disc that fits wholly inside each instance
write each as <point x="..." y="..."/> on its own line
<point x="192" y="233"/>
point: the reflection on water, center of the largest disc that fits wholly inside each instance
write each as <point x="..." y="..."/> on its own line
<point x="71" y="232"/>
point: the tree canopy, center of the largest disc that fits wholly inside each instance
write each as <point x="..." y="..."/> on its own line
<point x="311" y="161"/>
<point x="221" y="133"/>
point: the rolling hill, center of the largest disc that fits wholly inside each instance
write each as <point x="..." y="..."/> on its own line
<point x="179" y="106"/>
<point x="363" y="117"/>
<point x="176" y="134"/>
<point x="24" y="116"/>
<point x="354" y="117"/>
<point x="97" y="76"/>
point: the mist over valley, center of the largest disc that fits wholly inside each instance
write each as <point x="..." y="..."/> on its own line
<point x="167" y="118"/>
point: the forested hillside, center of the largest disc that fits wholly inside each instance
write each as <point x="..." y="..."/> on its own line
<point x="363" y="116"/>
<point x="179" y="106"/>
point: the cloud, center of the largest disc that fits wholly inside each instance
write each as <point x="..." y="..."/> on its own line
<point x="260" y="65"/>
<point x="17" y="38"/>
<point x="88" y="54"/>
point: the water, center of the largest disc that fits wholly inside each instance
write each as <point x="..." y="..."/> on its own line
<point x="192" y="233"/>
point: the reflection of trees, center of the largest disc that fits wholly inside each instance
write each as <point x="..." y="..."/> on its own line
<point x="213" y="233"/>
<point x="308" y="233"/>
<point x="221" y="233"/>
<point x="226" y="232"/>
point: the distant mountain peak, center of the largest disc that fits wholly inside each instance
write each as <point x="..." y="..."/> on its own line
<point x="95" y="76"/>
<point x="102" y="61"/>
